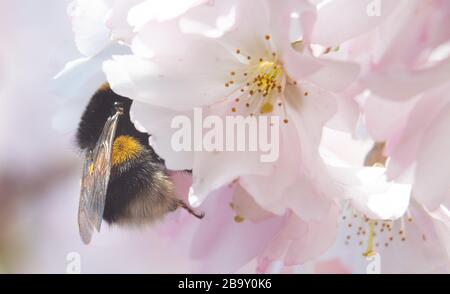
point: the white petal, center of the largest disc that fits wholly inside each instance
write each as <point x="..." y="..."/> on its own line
<point x="91" y="33"/>
<point x="377" y="198"/>
<point x="309" y="108"/>
<point x="160" y="11"/>
<point x="213" y="170"/>
<point x="81" y="77"/>
<point x="175" y="81"/>
<point x="157" y="122"/>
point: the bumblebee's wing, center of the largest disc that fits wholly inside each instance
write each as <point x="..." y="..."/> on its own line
<point x="94" y="182"/>
<point x="87" y="181"/>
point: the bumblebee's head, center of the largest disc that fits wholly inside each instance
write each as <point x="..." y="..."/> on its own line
<point x="102" y="105"/>
<point x="118" y="106"/>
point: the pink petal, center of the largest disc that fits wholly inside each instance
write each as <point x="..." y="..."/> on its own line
<point x="399" y="84"/>
<point x="298" y="65"/>
<point x="288" y="186"/>
<point x="403" y="144"/>
<point x="219" y="240"/>
<point x="117" y="22"/>
<point x="309" y="110"/>
<point x="333" y="266"/>
<point x="335" y="76"/>
<point x="383" y="118"/>
<point x="244" y="205"/>
<point x="213" y="170"/>
<point x="347" y="116"/>
<point x="433" y="166"/>
<point x="339" y="21"/>
<point x="300" y="241"/>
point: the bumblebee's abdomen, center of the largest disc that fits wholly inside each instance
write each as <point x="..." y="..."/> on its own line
<point x="139" y="190"/>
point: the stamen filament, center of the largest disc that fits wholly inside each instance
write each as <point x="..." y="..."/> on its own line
<point x="370" y="251"/>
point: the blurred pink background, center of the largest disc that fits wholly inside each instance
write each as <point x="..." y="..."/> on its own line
<point x="40" y="166"/>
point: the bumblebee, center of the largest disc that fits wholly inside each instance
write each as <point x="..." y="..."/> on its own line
<point x="124" y="181"/>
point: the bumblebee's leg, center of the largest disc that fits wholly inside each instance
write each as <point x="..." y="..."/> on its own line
<point x="181" y="204"/>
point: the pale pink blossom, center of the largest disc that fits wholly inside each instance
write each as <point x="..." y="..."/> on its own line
<point x="102" y="28"/>
<point x="98" y="24"/>
<point x="415" y="243"/>
<point x="402" y="91"/>
<point x="238" y="235"/>
<point x="182" y="64"/>
<point x="379" y="220"/>
<point x="409" y="83"/>
<point x="340" y="79"/>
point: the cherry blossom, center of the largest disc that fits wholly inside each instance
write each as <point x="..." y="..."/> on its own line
<point x="238" y="66"/>
<point x="408" y="95"/>
<point x="360" y="87"/>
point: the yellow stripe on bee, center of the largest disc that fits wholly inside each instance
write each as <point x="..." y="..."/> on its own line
<point x="125" y="148"/>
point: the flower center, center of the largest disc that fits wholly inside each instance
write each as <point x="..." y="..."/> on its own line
<point x="267" y="82"/>
<point x="371" y="234"/>
<point x="259" y="86"/>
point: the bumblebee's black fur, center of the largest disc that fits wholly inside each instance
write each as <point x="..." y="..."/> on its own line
<point x="132" y="179"/>
<point x="97" y="112"/>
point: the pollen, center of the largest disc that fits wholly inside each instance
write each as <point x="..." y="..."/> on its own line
<point x="239" y="219"/>
<point x="266" y="108"/>
<point x="260" y="85"/>
<point x="375" y="233"/>
<point x="125" y="148"/>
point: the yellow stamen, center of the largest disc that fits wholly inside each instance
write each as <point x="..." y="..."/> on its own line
<point x="262" y="86"/>
<point x="370" y="251"/>
<point x="239" y="219"/>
